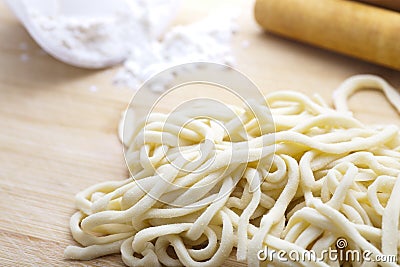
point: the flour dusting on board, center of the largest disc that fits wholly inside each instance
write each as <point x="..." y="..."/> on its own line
<point x="206" y="40"/>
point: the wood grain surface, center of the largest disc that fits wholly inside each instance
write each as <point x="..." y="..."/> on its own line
<point x="57" y="136"/>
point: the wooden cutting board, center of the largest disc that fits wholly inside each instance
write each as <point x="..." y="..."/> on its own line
<point x="58" y="125"/>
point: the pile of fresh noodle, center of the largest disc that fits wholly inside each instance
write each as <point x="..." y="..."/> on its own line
<point x="318" y="175"/>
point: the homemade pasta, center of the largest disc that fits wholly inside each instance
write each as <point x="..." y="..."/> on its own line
<point x="299" y="181"/>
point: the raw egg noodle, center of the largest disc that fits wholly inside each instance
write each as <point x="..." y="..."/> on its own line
<point x="313" y="174"/>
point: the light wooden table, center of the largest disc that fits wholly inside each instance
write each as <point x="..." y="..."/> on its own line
<point x="57" y="136"/>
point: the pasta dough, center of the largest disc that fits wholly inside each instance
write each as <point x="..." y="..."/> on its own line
<point x="311" y="175"/>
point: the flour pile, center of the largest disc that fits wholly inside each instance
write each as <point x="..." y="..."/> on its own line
<point x="88" y="39"/>
<point x="141" y="33"/>
<point x="206" y="40"/>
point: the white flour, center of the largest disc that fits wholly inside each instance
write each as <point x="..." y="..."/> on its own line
<point x="206" y="40"/>
<point x="137" y="33"/>
<point x="90" y="39"/>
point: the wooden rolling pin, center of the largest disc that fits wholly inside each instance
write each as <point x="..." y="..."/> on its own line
<point x="352" y="28"/>
<point x="391" y="4"/>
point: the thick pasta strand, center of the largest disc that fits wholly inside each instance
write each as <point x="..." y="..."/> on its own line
<point x="298" y="182"/>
